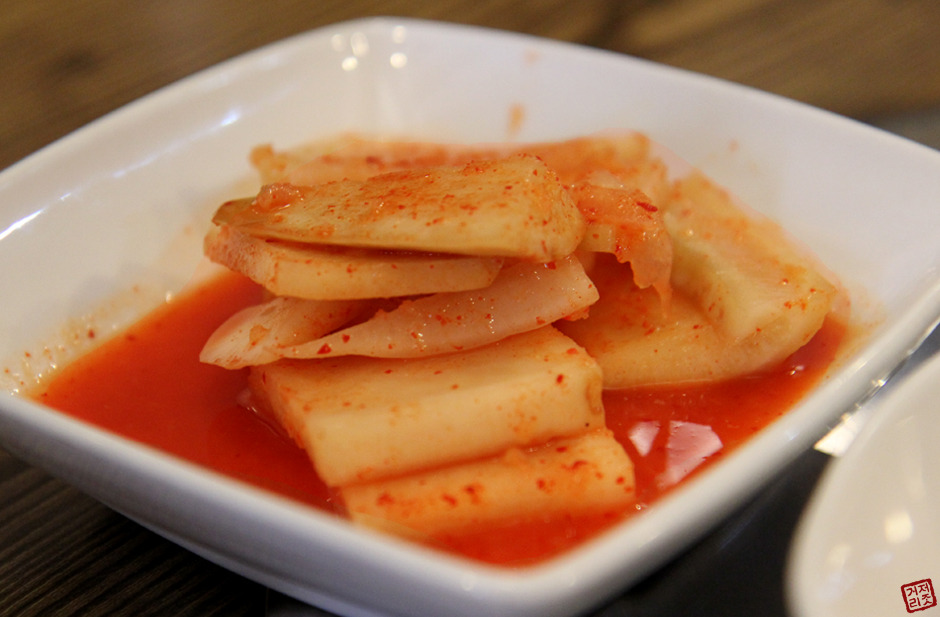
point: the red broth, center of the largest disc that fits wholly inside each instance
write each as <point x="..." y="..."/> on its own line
<point x="148" y="385"/>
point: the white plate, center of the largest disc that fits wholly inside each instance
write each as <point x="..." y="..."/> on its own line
<point x="873" y="525"/>
<point x="125" y="201"/>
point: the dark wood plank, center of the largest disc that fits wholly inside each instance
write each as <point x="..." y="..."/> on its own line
<point x="861" y="59"/>
<point x="67" y="63"/>
<point x="63" y="553"/>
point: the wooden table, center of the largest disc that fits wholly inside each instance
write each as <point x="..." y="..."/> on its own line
<point x="63" y="64"/>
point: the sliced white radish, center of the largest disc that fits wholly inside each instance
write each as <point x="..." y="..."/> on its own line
<point x="258" y="334"/>
<point x="523" y="297"/>
<point x="336" y="273"/>
<point x="514" y="207"/>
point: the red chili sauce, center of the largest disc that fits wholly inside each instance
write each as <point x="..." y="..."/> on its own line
<point x="148" y="384"/>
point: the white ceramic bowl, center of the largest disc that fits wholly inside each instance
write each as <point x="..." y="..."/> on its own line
<point x="125" y="201"/>
<point x="872" y="527"/>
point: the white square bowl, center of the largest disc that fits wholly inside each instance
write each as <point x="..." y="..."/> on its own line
<point x="123" y="203"/>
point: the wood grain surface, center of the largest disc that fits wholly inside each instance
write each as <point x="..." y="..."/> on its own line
<point x="66" y="63"/>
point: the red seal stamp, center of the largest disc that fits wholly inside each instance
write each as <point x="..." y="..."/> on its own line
<point x="919" y="595"/>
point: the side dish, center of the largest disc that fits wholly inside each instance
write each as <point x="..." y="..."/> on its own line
<point x="471" y="341"/>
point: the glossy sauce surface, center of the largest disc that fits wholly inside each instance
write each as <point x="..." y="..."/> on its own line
<point x="148" y="384"/>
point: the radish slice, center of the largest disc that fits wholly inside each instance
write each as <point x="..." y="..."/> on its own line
<point x="337" y="273"/>
<point x="258" y="334"/>
<point x="524" y="296"/>
<point x="625" y="223"/>
<point x="514" y="207"/>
